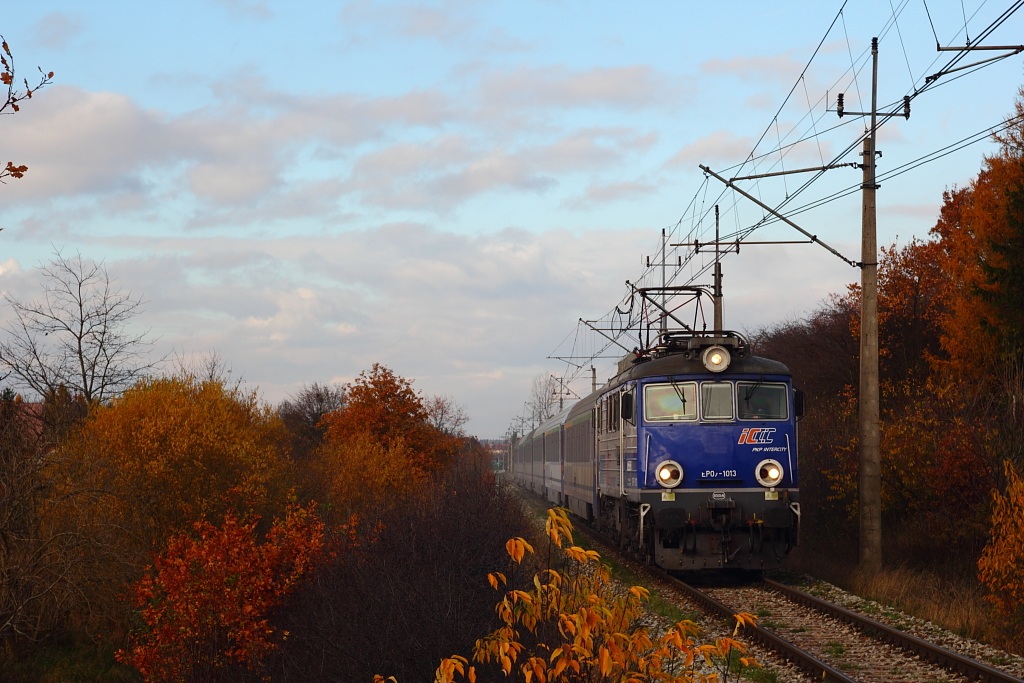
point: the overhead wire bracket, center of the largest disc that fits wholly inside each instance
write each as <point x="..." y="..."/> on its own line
<point x="787" y="221"/>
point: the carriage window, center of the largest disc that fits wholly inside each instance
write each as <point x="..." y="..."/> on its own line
<point x="669" y="402"/>
<point x="762" y="401"/>
<point x="716" y="400"/>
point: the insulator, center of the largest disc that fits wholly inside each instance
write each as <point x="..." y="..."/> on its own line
<point x="839" y="105"/>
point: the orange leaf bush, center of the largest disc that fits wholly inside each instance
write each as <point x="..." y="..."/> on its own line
<point x="207" y="599"/>
<point x="574" y="624"/>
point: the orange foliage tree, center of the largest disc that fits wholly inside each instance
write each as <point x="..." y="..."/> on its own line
<point x="176" y="450"/>
<point x="999" y="566"/>
<point x="384" y="406"/>
<point x="207" y="599"/>
<point x="379" y="447"/>
<point x="981" y="233"/>
<point x="167" y="453"/>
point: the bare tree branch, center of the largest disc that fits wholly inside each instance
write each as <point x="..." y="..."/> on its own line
<point x="446" y="415"/>
<point x="77" y="335"/>
<point x="543" y="397"/>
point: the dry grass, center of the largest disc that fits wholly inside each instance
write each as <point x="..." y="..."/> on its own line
<point x="957" y="603"/>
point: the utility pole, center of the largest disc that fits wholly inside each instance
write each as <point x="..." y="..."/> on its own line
<point x="870" y="476"/>
<point x="869" y="483"/>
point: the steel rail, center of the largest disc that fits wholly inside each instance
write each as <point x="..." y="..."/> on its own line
<point x="817" y="668"/>
<point x="947" y="659"/>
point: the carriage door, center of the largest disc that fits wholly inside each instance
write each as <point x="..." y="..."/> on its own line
<point x="609" y="462"/>
<point x="627" y="436"/>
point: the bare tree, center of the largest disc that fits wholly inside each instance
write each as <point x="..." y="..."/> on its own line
<point x="544" y="397"/>
<point x="446" y="415"/>
<point x="76" y="338"/>
<point x="303" y="412"/>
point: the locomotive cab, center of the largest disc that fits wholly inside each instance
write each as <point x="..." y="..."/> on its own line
<point x="705" y="438"/>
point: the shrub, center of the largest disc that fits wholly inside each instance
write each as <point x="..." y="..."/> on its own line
<point x="574" y="625"/>
<point x="207" y="600"/>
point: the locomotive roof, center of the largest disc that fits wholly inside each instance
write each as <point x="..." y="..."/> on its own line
<point x="684" y="364"/>
<point x="679" y="364"/>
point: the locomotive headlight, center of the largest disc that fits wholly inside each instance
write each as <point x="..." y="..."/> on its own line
<point x="716" y="358"/>
<point x="769" y="473"/>
<point x="669" y="474"/>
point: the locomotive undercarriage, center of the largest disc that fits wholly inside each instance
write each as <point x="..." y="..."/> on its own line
<point x="741" y="532"/>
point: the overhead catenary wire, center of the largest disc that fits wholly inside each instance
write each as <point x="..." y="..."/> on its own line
<point x="694" y="224"/>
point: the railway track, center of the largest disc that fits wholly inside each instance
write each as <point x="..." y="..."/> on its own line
<point x="832" y="643"/>
<point x="823" y="640"/>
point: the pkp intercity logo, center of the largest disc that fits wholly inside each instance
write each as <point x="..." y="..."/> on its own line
<point x="756" y="435"/>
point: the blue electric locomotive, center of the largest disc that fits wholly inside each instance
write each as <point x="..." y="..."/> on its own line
<point x="687" y="455"/>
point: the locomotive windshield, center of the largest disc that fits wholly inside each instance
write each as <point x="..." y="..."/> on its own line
<point x="715" y="401"/>
<point x="762" y="401"/>
<point x="670" y="402"/>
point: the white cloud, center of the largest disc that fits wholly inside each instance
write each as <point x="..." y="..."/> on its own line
<point x="58" y="29"/>
<point x="623" y="87"/>
<point x="718" y="146"/>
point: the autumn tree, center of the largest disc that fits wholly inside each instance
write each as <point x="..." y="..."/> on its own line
<point x="384" y="407"/>
<point x="381" y="404"/>
<point x="78" y="337"/>
<point x="207" y="601"/>
<point x="981" y="234"/>
<point x="15" y="95"/>
<point x="1005" y="270"/>
<point x="165" y="454"/>
<point x="177" y="450"/>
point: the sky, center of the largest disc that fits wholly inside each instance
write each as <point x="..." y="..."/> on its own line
<point x="303" y="188"/>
